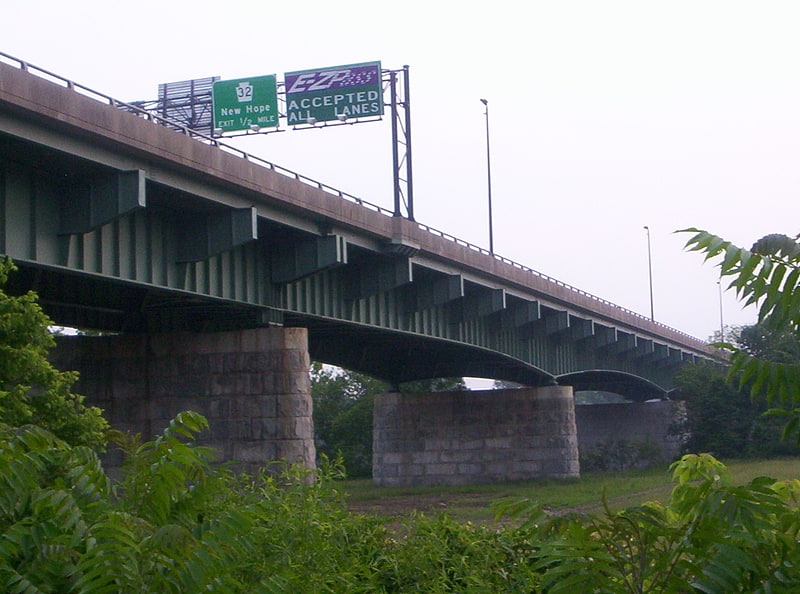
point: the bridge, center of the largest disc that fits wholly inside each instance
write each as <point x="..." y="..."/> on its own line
<point x="128" y="226"/>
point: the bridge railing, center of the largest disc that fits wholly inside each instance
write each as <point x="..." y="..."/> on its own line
<point x="155" y="117"/>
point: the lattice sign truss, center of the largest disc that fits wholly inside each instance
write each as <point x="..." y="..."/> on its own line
<point x="316" y="98"/>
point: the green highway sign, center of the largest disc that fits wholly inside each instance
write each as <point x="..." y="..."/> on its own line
<point x="245" y="103"/>
<point x="334" y="93"/>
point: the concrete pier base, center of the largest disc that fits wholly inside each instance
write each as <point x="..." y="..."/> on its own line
<point x="456" y="438"/>
<point x="252" y="385"/>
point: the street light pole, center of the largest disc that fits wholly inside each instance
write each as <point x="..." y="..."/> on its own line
<point x="721" y="324"/>
<point x="489" y="175"/>
<point x="650" y="271"/>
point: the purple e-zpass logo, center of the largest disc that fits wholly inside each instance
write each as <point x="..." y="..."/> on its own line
<point x="340" y="77"/>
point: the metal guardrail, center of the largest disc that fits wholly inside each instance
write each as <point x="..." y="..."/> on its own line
<point x="103" y="98"/>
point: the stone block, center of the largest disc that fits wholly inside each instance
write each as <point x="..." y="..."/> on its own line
<point x="498" y="443"/>
<point x="438" y="444"/>
<point x="296" y="451"/>
<point x="295" y="428"/>
<point x="526" y="469"/>
<point x="469" y="469"/>
<point x="265" y="428"/>
<point x="227" y="384"/>
<point x="441" y="469"/>
<point x="254" y="452"/>
<point x="471" y="444"/>
<point x="425" y="457"/>
<point x="457" y="455"/>
<point x="293" y="405"/>
<point x="414" y="469"/>
<point x="218" y="408"/>
<point x="220" y="429"/>
<point x="393" y="458"/>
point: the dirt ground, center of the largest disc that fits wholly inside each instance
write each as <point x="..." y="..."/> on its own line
<point x="425" y="503"/>
<point x="476" y="505"/>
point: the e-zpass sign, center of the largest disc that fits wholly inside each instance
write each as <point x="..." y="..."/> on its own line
<point x="338" y="92"/>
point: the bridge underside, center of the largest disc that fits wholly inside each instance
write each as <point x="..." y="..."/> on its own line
<point x="630" y="387"/>
<point x="84" y="302"/>
<point x="400" y="357"/>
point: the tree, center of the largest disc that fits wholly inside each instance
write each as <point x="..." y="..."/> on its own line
<point x="32" y="391"/>
<point x="719" y="418"/>
<point x="768" y="276"/>
<point x="437" y="384"/>
<point x="343" y="403"/>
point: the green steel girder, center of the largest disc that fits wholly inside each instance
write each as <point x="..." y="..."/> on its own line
<point x="377" y="276"/>
<point x="580" y="328"/>
<point x="442" y="289"/>
<point x="119" y="250"/>
<point x="102" y="199"/>
<point x="478" y="304"/>
<point x="603" y="336"/>
<point x="519" y="314"/>
<point x="210" y="234"/>
<point x="298" y="260"/>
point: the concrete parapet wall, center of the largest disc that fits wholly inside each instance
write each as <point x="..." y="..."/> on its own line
<point x="455" y="438"/>
<point x="637" y="423"/>
<point x="252" y="385"/>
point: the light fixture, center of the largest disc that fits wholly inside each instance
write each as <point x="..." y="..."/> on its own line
<point x="311" y="120"/>
<point x="342" y="117"/>
<point x="255" y="127"/>
<point x="217" y="131"/>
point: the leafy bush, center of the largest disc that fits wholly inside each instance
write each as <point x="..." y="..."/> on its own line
<point x="32" y="391"/>
<point x="176" y="523"/>
<point x="712" y="537"/>
<point x="621" y="454"/>
<point x="65" y="528"/>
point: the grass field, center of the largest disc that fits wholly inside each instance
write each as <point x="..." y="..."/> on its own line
<point x="472" y="503"/>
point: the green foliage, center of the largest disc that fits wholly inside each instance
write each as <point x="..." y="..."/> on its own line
<point x="711" y="537"/>
<point x="440" y="555"/>
<point x="768" y="276"/>
<point x="65" y="529"/>
<point x="621" y="454"/>
<point x="439" y="384"/>
<point x="343" y="404"/>
<point x="724" y="419"/>
<point x="176" y="523"/>
<point x="32" y="391"/>
<point x="719" y="417"/>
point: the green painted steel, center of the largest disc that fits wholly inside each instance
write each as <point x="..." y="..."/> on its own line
<point x="136" y="228"/>
<point x="142" y="246"/>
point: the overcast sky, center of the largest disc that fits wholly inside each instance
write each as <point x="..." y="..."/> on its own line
<point x="605" y="116"/>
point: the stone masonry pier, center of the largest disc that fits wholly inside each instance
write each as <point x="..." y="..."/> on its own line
<point x="252" y="385"/>
<point x="456" y="438"/>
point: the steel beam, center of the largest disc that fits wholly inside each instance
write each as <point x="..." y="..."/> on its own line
<point x="427" y="294"/>
<point x="377" y="276"/>
<point x="102" y="200"/>
<point x="301" y="259"/>
<point x="483" y="303"/>
<point x="203" y="237"/>
<point x="580" y="328"/>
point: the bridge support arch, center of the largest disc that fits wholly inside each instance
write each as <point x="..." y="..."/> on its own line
<point x="456" y="438"/>
<point x="252" y="385"/>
